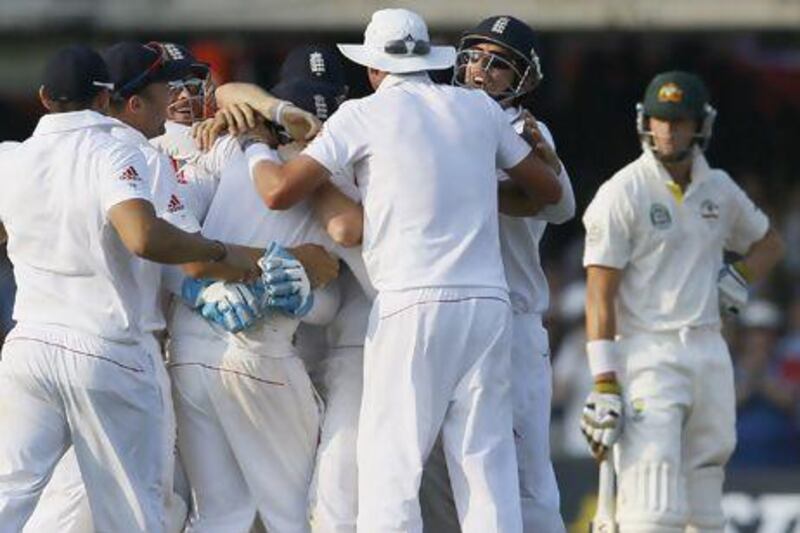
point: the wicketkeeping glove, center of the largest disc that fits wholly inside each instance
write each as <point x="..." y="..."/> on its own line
<point x="231" y="305"/>
<point x="733" y="289"/>
<point x="602" y="418"/>
<point x="286" y="282"/>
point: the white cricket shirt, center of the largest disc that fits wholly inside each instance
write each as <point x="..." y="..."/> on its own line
<point x="71" y="268"/>
<point x="169" y="205"/>
<point x="670" y="250"/>
<point x="520" y="237"/>
<point x="424" y="157"/>
<point x="198" y="173"/>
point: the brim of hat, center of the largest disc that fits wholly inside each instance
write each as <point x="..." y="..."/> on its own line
<point x="286" y="90"/>
<point x="173" y="71"/>
<point x="670" y="112"/>
<point x="439" y="58"/>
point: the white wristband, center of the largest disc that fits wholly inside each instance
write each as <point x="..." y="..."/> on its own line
<point x="258" y="152"/>
<point x="277" y="112"/>
<point x="602" y="357"/>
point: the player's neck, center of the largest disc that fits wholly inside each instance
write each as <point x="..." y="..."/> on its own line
<point x="680" y="172"/>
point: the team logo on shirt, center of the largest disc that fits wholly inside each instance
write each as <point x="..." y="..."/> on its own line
<point x="637" y="409"/>
<point x="709" y="209"/>
<point x="670" y="92"/>
<point x="130" y="174"/>
<point x="660" y="217"/>
<point x="174" y="204"/>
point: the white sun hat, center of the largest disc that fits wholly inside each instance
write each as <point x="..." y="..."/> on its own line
<point x="397" y="41"/>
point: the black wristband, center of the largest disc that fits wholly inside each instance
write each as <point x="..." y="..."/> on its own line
<point x="223" y="251"/>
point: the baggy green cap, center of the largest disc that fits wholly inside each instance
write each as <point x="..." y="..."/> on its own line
<point x="675" y="95"/>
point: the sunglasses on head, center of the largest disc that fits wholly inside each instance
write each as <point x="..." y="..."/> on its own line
<point x="140" y="80"/>
<point x="407" y="47"/>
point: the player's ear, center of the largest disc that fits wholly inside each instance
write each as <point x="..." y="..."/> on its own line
<point x="134" y="103"/>
<point x="44" y="99"/>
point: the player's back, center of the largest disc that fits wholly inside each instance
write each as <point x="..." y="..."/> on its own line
<point x="71" y="267"/>
<point x="424" y="157"/>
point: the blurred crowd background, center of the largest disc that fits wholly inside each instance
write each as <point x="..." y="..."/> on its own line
<point x="596" y="62"/>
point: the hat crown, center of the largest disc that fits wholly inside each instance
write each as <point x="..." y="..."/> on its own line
<point x="394" y="24"/>
<point x="675" y="94"/>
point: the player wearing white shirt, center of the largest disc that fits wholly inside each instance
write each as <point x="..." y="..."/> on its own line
<point x="498" y="57"/>
<point x="78" y="368"/>
<point x="656" y="282"/>
<point x="437" y="349"/>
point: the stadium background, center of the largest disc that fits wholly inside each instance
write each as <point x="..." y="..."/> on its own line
<point x="597" y="56"/>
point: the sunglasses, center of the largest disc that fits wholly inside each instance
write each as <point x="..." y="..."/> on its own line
<point x="194" y="86"/>
<point x="139" y="81"/>
<point x="407" y="47"/>
<point x="488" y="59"/>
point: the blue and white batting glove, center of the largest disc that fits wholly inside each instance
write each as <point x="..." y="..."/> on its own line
<point x="287" y="285"/>
<point x="230" y="305"/>
<point x="733" y="289"/>
<point x="602" y="419"/>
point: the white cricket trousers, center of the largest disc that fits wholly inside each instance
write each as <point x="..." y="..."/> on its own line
<point x="438" y="359"/>
<point x="57" y="388"/>
<point x="531" y="385"/>
<point x="334" y="491"/>
<point x="679" y="431"/>
<point x="247" y="434"/>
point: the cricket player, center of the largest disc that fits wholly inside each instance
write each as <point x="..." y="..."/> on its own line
<point x="656" y="282"/>
<point x="78" y="368"/>
<point x="498" y="56"/>
<point x="437" y="349"/>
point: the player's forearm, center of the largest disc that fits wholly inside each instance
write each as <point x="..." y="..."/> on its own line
<point x="601" y="291"/>
<point x="162" y="242"/>
<point x="341" y="217"/>
<point x="763" y="256"/>
<point x="247" y="93"/>
<point x="514" y="202"/>
<point x="564" y="209"/>
<point x="216" y="270"/>
<point x="537" y="180"/>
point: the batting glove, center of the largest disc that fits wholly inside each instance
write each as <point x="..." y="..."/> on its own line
<point x="286" y="281"/>
<point x="602" y="418"/>
<point x="733" y="289"/>
<point x="230" y="305"/>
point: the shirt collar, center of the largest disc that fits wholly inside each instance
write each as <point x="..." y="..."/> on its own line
<point x="396" y="79"/>
<point x="72" y="120"/>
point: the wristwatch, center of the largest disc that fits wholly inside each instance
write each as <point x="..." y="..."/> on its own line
<point x="222" y="253"/>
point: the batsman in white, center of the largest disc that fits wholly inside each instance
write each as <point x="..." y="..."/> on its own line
<point x="656" y="284"/>
<point x="80" y="367"/>
<point x="438" y="345"/>
<point x="498" y="57"/>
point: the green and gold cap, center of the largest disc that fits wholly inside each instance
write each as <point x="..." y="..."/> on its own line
<point x="675" y="95"/>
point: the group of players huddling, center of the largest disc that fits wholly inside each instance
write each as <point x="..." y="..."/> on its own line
<point x="230" y="318"/>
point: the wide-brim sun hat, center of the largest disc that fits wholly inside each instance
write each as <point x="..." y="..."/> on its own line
<point x="397" y="41"/>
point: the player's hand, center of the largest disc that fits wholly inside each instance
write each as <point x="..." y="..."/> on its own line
<point x="300" y="124"/>
<point x="231" y="305"/>
<point x="241" y="259"/>
<point x="239" y="118"/>
<point x="290" y="150"/>
<point x="320" y="266"/>
<point x="287" y="285"/>
<point x="543" y="149"/>
<point x="602" y="419"/>
<point x="733" y="290"/>
<point x="205" y="133"/>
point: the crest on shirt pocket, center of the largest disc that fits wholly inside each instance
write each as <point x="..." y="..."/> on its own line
<point x="660" y="217"/>
<point x="709" y="209"/>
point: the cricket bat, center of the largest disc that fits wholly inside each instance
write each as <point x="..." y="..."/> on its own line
<point x="604" y="517"/>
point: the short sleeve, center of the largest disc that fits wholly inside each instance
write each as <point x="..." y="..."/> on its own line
<point x="608" y="222"/>
<point x="748" y="225"/>
<point x="511" y="148"/>
<point x="124" y="176"/>
<point x="340" y="143"/>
